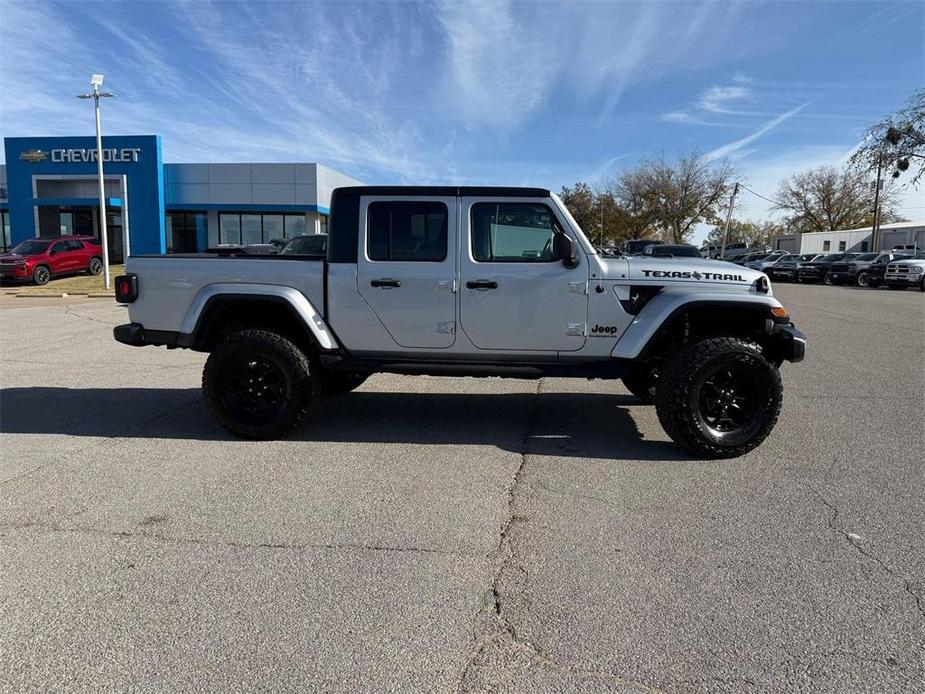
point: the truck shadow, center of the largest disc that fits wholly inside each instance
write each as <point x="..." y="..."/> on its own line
<point x="580" y="425"/>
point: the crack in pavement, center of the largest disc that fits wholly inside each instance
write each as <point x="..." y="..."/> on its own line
<point x="292" y="546"/>
<point x="500" y="649"/>
<point x="853" y="540"/>
<point x="69" y="311"/>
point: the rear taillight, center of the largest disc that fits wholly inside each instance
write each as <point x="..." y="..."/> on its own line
<point x="126" y="288"/>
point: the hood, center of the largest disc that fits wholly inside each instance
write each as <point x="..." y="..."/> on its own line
<point x="698" y="271"/>
<point x="12" y="258"/>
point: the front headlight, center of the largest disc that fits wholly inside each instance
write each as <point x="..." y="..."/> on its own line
<point x="917" y="269"/>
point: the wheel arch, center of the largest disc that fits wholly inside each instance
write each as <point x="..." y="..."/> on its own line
<point x="219" y="309"/>
<point x="703" y="314"/>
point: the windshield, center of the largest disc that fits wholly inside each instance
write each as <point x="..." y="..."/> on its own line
<point x="31" y="247"/>
<point x="677" y="251"/>
<point x="866" y="256"/>
<point x="314" y="244"/>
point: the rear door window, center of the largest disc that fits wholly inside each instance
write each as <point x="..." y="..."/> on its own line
<point x="407" y="231"/>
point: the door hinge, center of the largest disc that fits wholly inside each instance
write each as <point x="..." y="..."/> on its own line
<point x="578" y="287"/>
<point x="576" y="329"/>
<point x="447" y="328"/>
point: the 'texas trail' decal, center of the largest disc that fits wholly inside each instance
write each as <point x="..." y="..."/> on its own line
<point x="677" y="274"/>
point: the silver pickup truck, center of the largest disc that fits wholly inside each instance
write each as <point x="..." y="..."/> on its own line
<point x="468" y="281"/>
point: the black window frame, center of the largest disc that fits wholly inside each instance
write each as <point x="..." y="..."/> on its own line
<point x="186" y="227"/>
<point x="556" y="230"/>
<point x="446" y="236"/>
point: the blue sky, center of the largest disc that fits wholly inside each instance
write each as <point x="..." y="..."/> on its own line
<point x="481" y="92"/>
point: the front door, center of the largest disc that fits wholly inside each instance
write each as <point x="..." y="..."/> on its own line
<point x="407" y="268"/>
<point x="513" y="294"/>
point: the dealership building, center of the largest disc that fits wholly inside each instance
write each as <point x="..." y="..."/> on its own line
<point x="49" y="187"/>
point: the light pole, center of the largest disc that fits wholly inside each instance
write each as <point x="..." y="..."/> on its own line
<point x="96" y="81"/>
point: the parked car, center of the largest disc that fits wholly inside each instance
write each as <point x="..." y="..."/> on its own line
<point x="765" y="259"/>
<point x="40" y="260"/>
<point x="664" y="250"/>
<point x="846" y="271"/>
<point x="315" y="245"/>
<point x="734" y="251"/>
<point x="786" y="268"/>
<point x="750" y="258"/>
<point x="818" y="269"/>
<point x="637" y="246"/>
<point x="902" y="274"/>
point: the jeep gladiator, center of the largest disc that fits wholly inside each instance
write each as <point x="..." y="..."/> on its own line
<point x="468" y="281"/>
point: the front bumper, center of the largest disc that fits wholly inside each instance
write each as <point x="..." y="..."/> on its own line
<point x="904" y="278"/>
<point x="14" y="272"/>
<point x="786" y="343"/>
<point x="842" y="275"/>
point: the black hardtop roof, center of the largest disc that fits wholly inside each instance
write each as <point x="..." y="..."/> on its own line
<point x="446" y="191"/>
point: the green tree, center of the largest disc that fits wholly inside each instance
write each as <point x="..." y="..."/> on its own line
<point x="827" y="199"/>
<point x="744" y="231"/>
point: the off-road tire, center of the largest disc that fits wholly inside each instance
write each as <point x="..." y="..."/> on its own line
<point x="641" y="383"/>
<point x="230" y="368"/>
<point x="95" y="266"/>
<point x="41" y="275"/>
<point x="678" y="398"/>
<point x="334" y="383"/>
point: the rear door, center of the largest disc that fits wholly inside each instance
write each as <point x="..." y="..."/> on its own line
<point x="513" y="295"/>
<point x="406" y="267"/>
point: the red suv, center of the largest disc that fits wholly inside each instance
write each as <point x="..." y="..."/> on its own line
<point x="41" y="259"/>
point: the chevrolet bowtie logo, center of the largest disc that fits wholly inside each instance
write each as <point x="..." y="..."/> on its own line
<point x="34" y="155"/>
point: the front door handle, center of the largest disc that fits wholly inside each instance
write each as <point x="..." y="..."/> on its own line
<point x="385" y="282"/>
<point x="481" y="284"/>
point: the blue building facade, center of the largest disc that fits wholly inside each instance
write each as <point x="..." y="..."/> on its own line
<point x="49" y="187"/>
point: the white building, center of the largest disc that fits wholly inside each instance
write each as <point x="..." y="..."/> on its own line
<point x="910" y="234"/>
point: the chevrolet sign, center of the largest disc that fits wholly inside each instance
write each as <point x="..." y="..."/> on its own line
<point x="75" y="156"/>
<point x="33" y="156"/>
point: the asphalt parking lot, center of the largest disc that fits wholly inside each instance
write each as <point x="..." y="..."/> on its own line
<point x="435" y="534"/>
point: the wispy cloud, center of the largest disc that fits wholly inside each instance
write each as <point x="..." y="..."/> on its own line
<point x="717" y="99"/>
<point x="728" y="149"/>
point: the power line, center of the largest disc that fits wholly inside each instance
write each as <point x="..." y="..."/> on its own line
<point x="758" y="194"/>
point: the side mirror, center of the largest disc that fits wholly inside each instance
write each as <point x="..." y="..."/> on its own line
<point x="565" y="249"/>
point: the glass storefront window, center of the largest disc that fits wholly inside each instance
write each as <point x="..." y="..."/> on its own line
<point x="250" y="228"/>
<point x="295" y="225"/>
<point x="323" y="223"/>
<point x="186" y="232"/>
<point x="272" y="227"/>
<point x="5" y="219"/>
<point x="229" y="228"/>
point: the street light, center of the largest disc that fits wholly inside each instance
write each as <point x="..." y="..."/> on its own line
<point x="96" y="81"/>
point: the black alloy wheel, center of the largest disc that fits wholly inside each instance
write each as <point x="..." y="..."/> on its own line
<point x="259" y="384"/>
<point x="719" y="397"/>
<point x="95" y="266"/>
<point x="41" y="275"/>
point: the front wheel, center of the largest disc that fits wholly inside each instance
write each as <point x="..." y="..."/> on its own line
<point x="863" y="280"/>
<point x="95" y="266"/>
<point x="258" y="384"/>
<point x="719" y="397"/>
<point x="828" y="279"/>
<point x="41" y="275"/>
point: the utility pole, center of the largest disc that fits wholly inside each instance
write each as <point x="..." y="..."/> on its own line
<point x="732" y="202"/>
<point x="602" y="223"/>
<point x="876" y="227"/>
<point x="96" y="81"/>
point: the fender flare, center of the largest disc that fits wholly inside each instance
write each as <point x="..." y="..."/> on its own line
<point x="295" y="299"/>
<point x="662" y="307"/>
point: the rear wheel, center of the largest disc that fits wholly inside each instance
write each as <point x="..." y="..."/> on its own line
<point x="259" y="384"/>
<point x="719" y="397"/>
<point x="334" y="383"/>
<point x="41" y="274"/>
<point x="95" y="266"/>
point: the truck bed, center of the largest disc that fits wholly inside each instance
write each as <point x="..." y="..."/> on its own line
<point x="171" y="283"/>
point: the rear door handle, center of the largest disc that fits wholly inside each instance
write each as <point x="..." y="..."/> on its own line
<point x="385" y="282"/>
<point x="481" y="284"/>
